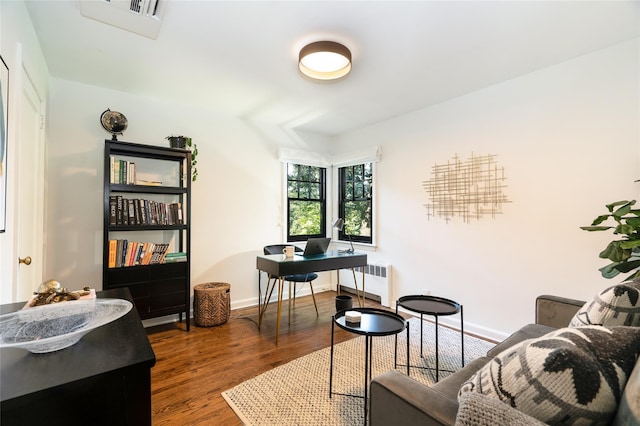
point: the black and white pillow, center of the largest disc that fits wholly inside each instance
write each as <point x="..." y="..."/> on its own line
<point x="616" y="305"/>
<point x="569" y="376"/>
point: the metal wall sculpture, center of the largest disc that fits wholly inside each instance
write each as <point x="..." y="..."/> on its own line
<point x="469" y="189"/>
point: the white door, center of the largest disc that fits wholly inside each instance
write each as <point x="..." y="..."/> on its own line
<point x="30" y="191"/>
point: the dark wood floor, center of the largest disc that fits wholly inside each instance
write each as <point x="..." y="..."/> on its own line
<point x="193" y="368"/>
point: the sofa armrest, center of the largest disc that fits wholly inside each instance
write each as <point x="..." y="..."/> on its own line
<point x="399" y="400"/>
<point x="556" y="311"/>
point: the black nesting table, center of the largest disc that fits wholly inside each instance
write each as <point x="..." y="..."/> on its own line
<point x="374" y="322"/>
<point x="435" y="306"/>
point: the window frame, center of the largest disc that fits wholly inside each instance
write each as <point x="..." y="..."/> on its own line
<point x="341" y="190"/>
<point x="322" y="200"/>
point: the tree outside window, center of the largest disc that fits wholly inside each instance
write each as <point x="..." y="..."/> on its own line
<point x="355" y="204"/>
<point x="306" y="202"/>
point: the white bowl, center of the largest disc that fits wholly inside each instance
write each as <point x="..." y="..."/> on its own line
<point x="57" y="326"/>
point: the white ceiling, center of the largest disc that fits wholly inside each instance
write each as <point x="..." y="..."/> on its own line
<point x="239" y="58"/>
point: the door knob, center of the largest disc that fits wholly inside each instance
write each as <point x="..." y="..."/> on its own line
<point x="26" y="260"/>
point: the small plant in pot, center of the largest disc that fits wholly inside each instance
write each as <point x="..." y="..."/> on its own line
<point x="624" y="253"/>
<point x="184" y="142"/>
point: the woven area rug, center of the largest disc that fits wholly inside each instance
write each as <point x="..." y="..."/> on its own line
<point x="297" y="393"/>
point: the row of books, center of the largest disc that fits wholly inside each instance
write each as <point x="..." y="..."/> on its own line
<point x="124" y="253"/>
<point x="134" y="211"/>
<point x="122" y="171"/>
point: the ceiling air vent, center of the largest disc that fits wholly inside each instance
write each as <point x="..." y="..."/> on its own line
<point x="142" y="17"/>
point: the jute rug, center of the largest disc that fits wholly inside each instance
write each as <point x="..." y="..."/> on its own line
<point x="297" y="393"/>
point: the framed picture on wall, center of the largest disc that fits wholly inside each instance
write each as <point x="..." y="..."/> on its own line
<point x="4" y="123"/>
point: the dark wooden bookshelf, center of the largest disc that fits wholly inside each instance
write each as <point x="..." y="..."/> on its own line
<point x="158" y="289"/>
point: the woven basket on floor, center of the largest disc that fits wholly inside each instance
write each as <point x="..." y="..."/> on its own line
<point x="211" y="304"/>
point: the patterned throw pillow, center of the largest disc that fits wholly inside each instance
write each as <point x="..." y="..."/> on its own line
<point x="569" y="376"/>
<point x="616" y="305"/>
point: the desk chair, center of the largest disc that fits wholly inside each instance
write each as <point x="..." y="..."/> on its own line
<point x="297" y="278"/>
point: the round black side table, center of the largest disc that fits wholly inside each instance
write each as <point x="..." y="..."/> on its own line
<point x="374" y="322"/>
<point x="437" y="307"/>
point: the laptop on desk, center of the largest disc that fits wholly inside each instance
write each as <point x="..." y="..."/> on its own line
<point x="315" y="246"/>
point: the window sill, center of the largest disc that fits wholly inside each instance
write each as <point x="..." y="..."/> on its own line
<point x="340" y="244"/>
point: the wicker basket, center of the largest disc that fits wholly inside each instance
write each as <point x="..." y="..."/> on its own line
<point x="211" y="304"/>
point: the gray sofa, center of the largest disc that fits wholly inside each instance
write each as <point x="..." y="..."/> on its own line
<point x="398" y="400"/>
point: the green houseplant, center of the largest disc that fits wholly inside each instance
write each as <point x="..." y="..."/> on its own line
<point x="184" y="142"/>
<point x="624" y="253"/>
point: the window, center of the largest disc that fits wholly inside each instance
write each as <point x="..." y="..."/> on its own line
<point x="306" y="202"/>
<point x="355" y="204"/>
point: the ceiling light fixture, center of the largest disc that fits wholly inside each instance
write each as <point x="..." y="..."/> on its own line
<point x="325" y="60"/>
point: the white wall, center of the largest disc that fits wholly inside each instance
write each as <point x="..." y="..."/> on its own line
<point x="20" y="49"/>
<point x="568" y="138"/>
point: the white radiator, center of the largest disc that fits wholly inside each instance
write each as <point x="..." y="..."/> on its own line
<point x="377" y="281"/>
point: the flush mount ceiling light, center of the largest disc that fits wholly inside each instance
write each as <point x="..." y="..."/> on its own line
<point x="325" y="60"/>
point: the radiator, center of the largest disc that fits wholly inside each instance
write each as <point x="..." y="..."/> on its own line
<point x="377" y="281"/>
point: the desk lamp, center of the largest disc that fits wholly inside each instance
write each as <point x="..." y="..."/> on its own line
<point x="339" y="225"/>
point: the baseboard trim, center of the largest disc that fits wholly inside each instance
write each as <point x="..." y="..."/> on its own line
<point x="239" y="304"/>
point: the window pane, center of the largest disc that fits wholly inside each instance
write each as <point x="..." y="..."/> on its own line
<point x="367" y="189"/>
<point x="348" y="191"/>
<point x="315" y="191"/>
<point x="357" y="172"/>
<point x="358" y="192"/>
<point x="304" y="173"/>
<point x="292" y="189"/>
<point x="357" y="215"/>
<point x="292" y="171"/>
<point x="304" y="218"/>
<point x="315" y="174"/>
<point x="304" y="190"/>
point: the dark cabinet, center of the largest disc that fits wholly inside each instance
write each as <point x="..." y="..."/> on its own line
<point x="147" y="227"/>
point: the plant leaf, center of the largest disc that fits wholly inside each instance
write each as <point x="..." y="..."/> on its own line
<point x="624" y="229"/>
<point x="609" y="271"/>
<point x="614" y="252"/>
<point x="611" y="206"/>
<point x="598" y="220"/>
<point x="595" y="228"/>
<point x="625" y="209"/>
<point x="628" y="266"/>
<point x="633" y="221"/>
<point x="629" y="244"/>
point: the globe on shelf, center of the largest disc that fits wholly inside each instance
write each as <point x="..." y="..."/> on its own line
<point x="114" y="122"/>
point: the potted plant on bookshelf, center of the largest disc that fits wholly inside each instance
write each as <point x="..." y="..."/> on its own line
<point x="177" y="141"/>
<point x="184" y="142"/>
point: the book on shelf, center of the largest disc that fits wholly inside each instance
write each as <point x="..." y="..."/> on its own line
<point x="125" y="253"/>
<point x="175" y="257"/>
<point x="113" y="208"/>
<point x="131" y="173"/>
<point x="131" y="213"/>
<point x="115" y="173"/>
<point x="122" y="172"/>
<point x="113" y="246"/>
<point x="125" y="211"/>
<point x="158" y="253"/>
<point x="148" y="251"/>
<point x="148" y="182"/>
<point x="119" y="209"/>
